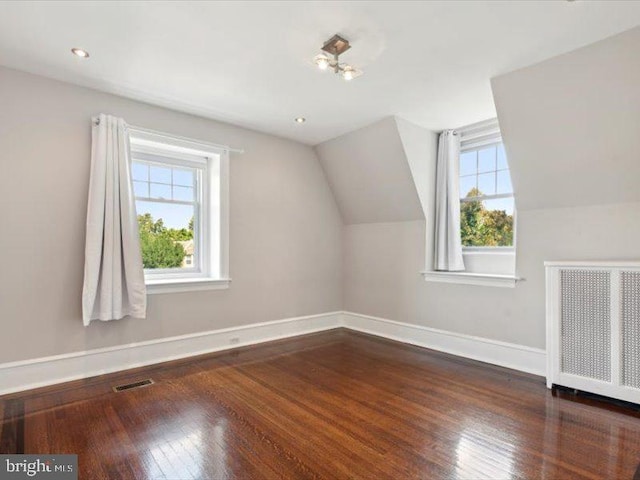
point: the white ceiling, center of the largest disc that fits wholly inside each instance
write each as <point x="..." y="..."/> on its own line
<point x="249" y="63"/>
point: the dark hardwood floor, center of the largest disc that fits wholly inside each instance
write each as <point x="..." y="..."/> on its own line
<point x="332" y="405"/>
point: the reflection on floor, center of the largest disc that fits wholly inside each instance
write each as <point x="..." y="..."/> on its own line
<point x="337" y="404"/>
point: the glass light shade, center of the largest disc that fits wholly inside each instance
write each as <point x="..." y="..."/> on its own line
<point x="347" y="73"/>
<point x="322" y="62"/>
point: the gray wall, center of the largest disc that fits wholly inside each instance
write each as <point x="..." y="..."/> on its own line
<point x="383" y="261"/>
<point x="574" y="159"/>
<point x="285" y="234"/>
<point x="369" y="175"/>
<point x="570" y="125"/>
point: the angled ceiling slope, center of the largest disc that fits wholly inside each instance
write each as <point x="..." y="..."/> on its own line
<point x="571" y="126"/>
<point x="370" y="176"/>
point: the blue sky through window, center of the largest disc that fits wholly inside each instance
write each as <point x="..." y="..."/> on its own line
<point x="170" y="184"/>
<point x="505" y="204"/>
<point x="487" y="170"/>
<point x="173" y="216"/>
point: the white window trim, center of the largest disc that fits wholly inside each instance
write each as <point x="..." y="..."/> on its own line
<point x="157" y="286"/>
<point x="466" y="278"/>
<point x="215" y="274"/>
<point x="490" y="250"/>
<point x="473" y="137"/>
<point x="201" y="236"/>
<point x="479" y="134"/>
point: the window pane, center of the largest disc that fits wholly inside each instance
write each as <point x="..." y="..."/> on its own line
<point x="468" y="163"/>
<point x="140" y="171"/>
<point x="160" y="174"/>
<point x="166" y="235"/>
<point x="504" y="182"/>
<point x="487" y="183"/>
<point x="183" y="194"/>
<point x="183" y="177"/>
<point x="466" y="185"/>
<point x="487" y="159"/>
<point x="160" y="191"/>
<point x="505" y="204"/>
<point x="487" y="224"/>
<point x="502" y="158"/>
<point x="141" y="189"/>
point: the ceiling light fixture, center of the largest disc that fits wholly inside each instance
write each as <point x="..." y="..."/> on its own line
<point x="300" y="119"/>
<point x="80" y="52"/>
<point x="335" y="47"/>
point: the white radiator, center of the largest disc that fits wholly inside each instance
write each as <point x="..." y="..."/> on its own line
<point x="593" y="327"/>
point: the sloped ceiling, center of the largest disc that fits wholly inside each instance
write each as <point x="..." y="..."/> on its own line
<point x="370" y="176"/>
<point x="421" y="149"/>
<point x="571" y="126"/>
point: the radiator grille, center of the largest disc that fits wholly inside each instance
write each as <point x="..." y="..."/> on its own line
<point x="585" y="323"/>
<point x="630" y="323"/>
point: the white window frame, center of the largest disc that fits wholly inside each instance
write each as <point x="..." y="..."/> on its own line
<point x="476" y="137"/>
<point x="485" y="266"/>
<point x="200" y="235"/>
<point x="211" y="211"/>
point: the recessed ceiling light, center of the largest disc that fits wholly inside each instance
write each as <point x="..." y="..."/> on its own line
<point x="80" y="52"/>
<point x="300" y="119"/>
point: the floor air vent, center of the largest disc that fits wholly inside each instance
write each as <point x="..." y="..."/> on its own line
<point x="129" y="386"/>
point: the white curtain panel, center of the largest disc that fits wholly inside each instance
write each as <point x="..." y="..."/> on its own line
<point x="113" y="272"/>
<point x="448" y="245"/>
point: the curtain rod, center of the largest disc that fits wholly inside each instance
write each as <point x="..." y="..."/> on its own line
<point x="96" y="121"/>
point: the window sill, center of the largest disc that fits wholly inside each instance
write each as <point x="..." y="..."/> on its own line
<point x="186" y="285"/>
<point x="483" y="279"/>
<point x="488" y="251"/>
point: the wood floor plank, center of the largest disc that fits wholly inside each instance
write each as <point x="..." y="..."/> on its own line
<point x="333" y="405"/>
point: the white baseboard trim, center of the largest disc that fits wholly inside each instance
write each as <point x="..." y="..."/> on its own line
<point x="40" y="372"/>
<point x="44" y="371"/>
<point x="510" y="355"/>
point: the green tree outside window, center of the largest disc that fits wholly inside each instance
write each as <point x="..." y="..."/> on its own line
<point x="480" y="227"/>
<point x="159" y="244"/>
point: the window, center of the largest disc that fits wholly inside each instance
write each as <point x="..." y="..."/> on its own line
<point x="487" y="208"/>
<point x="168" y="202"/>
<point x="487" y="211"/>
<point x="180" y="189"/>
